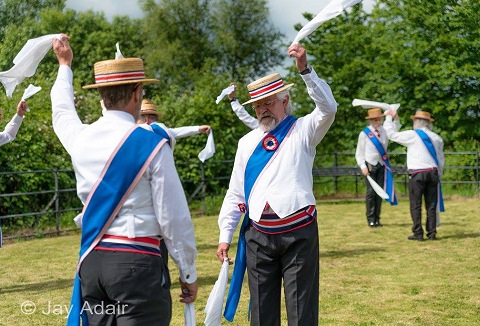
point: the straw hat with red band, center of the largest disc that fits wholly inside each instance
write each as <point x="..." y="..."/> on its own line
<point x="149" y="108"/>
<point x="119" y="72"/>
<point x="265" y="87"/>
<point x="422" y="115"/>
<point x="374" y="113"/>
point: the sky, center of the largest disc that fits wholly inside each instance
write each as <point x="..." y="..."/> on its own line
<point x="285" y="13"/>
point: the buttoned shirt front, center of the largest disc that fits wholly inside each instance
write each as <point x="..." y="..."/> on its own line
<point x="156" y="206"/>
<point x="287" y="182"/>
<point x="366" y="150"/>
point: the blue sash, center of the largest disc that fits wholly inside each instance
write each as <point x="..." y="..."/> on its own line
<point x="431" y="149"/>
<point x="160" y="131"/>
<point x="389" y="185"/>
<point x="262" y="154"/>
<point x="124" y="170"/>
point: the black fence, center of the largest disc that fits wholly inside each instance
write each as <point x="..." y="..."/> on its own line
<point x="40" y="212"/>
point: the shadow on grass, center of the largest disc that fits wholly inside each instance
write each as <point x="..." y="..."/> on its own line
<point x="462" y="236"/>
<point x="38" y="287"/>
<point x="348" y="253"/>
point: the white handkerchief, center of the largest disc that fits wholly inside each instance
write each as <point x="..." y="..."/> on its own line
<point x="332" y="10"/>
<point x="224" y="93"/>
<point x="209" y="149"/>
<point x="26" y="62"/>
<point x="189" y="314"/>
<point x="214" y="305"/>
<point x="372" y="104"/>
<point x="30" y="91"/>
<point x="118" y="54"/>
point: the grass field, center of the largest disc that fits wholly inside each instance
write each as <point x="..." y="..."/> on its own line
<point x="368" y="276"/>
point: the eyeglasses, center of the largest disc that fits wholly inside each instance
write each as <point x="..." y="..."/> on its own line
<point x="265" y="104"/>
<point x="143" y="90"/>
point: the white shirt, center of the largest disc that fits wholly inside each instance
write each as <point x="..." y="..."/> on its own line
<point x="418" y="156"/>
<point x="366" y="150"/>
<point x="11" y="129"/>
<point x="244" y="116"/>
<point x="157" y="205"/>
<point x="176" y="133"/>
<point x="287" y="183"/>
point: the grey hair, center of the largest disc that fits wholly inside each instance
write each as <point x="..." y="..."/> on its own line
<point x="281" y="96"/>
<point x="422" y="123"/>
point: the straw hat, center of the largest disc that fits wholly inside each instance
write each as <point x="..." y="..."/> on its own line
<point x="149" y="108"/>
<point x="422" y="115"/>
<point x="119" y="72"/>
<point x="265" y="87"/>
<point x="374" y="113"/>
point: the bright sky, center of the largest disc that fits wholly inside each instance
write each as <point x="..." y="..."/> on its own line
<point x="285" y="13"/>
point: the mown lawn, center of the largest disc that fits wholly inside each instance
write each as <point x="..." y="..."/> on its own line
<point x="368" y="276"/>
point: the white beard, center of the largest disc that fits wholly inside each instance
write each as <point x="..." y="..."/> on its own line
<point x="267" y="127"/>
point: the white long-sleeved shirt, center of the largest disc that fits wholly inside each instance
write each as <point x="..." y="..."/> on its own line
<point x="179" y="132"/>
<point x="157" y="205"/>
<point x="418" y="156"/>
<point x="366" y="150"/>
<point x="11" y="130"/>
<point x="244" y="116"/>
<point x="287" y="182"/>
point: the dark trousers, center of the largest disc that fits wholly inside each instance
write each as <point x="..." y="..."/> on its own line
<point x="292" y="256"/>
<point x="125" y="289"/>
<point x="423" y="184"/>
<point x="372" y="200"/>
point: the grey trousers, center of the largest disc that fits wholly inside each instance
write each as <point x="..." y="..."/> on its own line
<point x="292" y="257"/>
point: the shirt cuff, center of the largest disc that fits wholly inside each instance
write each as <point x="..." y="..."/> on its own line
<point x="188" y="274"/>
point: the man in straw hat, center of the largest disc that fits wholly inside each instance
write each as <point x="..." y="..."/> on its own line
<point x="123" y="172"/>
<point x="425" y="162"/>
<point x="371" y="156"/>
<point x="150" y="116"/>
<point x="272" y="184"/>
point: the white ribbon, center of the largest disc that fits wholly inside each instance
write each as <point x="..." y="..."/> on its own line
<point x="214" y="305"/>
<point x="224" y="93"/>
<point x="372" y="104"/>
<point x="209" y="149"/>
<point x="332" y="10"/>
<point x="26" y="62"/>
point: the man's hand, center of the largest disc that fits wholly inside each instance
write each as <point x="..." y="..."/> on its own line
<point x="62" y="50"/>
<point x="204" y="129"/>
<point x="189" y="292"/>
<point x="22" y="108"/>
<point x="231" y="96"/>
<point x="300" y="54"/>
<point x="365" y="171"/>
<point x="222" y="252"/>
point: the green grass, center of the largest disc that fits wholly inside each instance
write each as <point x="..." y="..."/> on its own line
<point x="368" y="276"/>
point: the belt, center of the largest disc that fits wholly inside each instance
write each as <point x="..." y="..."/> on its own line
<point x="414" y="171"/>
<point x="141" y="245"/>
<point x="272" y="224"/>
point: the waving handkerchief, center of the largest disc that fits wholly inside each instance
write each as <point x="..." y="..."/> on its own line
<point x="332" y="10"/>
<point x="30" y="91"/>
<point x="26" y="62"/>
<point x="209" y="149"/>
<point x="224" y="93"/>
<point x="189" y="314"/>
<point x="118" y="54"/>
<point x="214" y="305"/>
<point x="372" y="104"/>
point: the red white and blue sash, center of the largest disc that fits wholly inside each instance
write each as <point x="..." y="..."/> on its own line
<point x="271" y="223"/>
<point x="119" y="177"/>
<point x="261" y="158"/>
<point x="431" y="149"/>
<point x="389" y="185"/>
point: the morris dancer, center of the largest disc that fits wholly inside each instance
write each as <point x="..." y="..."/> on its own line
<point x="425" y="162"/>
<point x="272" y="184"/>
<point x="131" y="191"/>
<point x="372" y="158"/>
